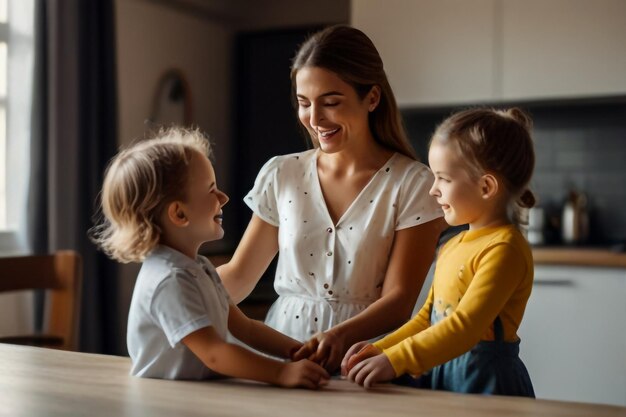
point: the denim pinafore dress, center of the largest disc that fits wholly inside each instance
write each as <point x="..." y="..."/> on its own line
<point x="490" y="367"/>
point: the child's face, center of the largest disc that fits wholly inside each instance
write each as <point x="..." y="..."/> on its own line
<point x="459" y="195"/>
<point x="204" y="201"/>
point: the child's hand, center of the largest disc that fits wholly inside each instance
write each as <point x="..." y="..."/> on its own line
<point x="372" y="370"/>
<point x="303" y="373"/>
<point x="324" y="348"/>
<point x="358" y="352"/>
<point x="306" y="351"/>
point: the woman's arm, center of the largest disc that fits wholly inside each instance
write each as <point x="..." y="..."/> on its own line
<point x="363" y="350"/>
<point x="420" y="322"/>
<point x="410" y="259"/>
<point x="260" y="336"/>
<point x="256" y="250"/>
<point x="236" y="361"/>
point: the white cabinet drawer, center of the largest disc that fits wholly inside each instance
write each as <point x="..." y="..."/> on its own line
<point x="574" y="334"/>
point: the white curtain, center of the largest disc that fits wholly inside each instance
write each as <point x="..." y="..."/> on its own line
<point x="16" y="310"/>
<point x="20" y="82"/>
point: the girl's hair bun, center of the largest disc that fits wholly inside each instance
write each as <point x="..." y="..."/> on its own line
<point x="527" y="199"/>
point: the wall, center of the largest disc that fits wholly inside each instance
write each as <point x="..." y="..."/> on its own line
<point x="196" y="36"/>
<point x="583" y="147"/>
<point x="18" y="306"/>
<point x="579" y="145"/>
<point x="274" y="14"/>
<point x="150" y="39"/>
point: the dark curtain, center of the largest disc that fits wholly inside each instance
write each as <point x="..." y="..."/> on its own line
<point x="74" y="135"/>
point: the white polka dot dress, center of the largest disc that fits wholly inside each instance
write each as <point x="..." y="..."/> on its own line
<point x="329" y="272"/>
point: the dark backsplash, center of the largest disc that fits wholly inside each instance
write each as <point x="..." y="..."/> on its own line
<point x="579" y="145"/>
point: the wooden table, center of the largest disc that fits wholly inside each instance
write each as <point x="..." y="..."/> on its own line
<point x="44" y="382"/>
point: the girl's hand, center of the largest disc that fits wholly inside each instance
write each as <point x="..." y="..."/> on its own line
<point x="330" y="349"/>
<point x="304" y="374"/>
<point x="358" y="352"/>
<point x="372" y="370"/>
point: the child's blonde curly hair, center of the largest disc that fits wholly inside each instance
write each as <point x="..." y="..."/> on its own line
<point x="139" y="183"/>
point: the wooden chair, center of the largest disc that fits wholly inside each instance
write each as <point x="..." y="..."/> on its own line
<point x="61" y="275"/>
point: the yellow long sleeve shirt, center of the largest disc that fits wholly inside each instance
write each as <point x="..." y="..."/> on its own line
<point x="480" y="274"/>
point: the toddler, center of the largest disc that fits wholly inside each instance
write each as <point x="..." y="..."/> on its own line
<point x="464" y="339"/>
<point x="160" y="202"/>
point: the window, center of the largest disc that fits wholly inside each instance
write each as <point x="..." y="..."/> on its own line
<point x="4" y="37"/>
<point x="16" y="80"/>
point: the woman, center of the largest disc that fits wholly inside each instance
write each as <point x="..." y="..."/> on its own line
<point x="351" y="219"/>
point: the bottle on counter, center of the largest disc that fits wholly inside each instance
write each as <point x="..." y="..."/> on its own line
<point x="575" y="219"/>
<point x="536" y="226"/>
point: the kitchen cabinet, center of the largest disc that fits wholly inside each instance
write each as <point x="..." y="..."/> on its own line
<point x="443" y="52"/>
<point x="434" y="51"/>
<point x="573" y="335"/>
<point x="563" y="48"/>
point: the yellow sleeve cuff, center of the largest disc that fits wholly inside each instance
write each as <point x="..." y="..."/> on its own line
<point x="403" y="359"/>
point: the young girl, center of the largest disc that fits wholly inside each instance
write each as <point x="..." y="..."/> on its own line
<point x="465" y="339"/>
<point x="161" y="202"/>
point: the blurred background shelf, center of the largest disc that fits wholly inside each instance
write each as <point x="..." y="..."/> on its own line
<point x="580" y="256"/>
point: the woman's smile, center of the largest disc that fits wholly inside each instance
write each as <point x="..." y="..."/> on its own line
<point x="327" y="136"/>
<point x="327" y="133"/>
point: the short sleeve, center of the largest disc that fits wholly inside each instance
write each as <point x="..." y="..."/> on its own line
<point x="415" y="205"/>
<point x="219" y="286"/>
<point x="262" y="199"/>
<point x="178" y="307"/>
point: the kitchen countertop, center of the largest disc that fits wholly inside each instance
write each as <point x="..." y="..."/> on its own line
<point x="579" y="256"/>
<point x="548" y="255"/>
<point x="46" y="382"/>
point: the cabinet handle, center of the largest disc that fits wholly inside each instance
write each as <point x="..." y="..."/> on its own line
<point x="554" y="282"/>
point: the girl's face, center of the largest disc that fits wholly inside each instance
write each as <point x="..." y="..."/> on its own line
<point x="203" y="201"/>
<point x="331" y="110"/>
<point x="459" y="195"/>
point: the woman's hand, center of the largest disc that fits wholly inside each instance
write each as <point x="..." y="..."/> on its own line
<point x="305" y="351"/>
<point x="372" y="370"/>
<point x="358" y="352"/>
<point x="324" y="348"/>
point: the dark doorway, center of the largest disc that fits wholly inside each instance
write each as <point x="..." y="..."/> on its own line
<point x="266" y="122"/>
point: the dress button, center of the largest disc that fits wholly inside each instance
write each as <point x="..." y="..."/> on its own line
<point x="330" y="293"/>
<point x="329" y="230"/>
<point x="329" y="253"/>
<point x="326" y="286"/>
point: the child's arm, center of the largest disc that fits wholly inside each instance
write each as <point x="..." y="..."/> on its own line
<point x="501" y="271"/>
<point x="232" y="360"/>
<point x="419" y="322"/>
<point x="363" y="350"/>
<point x="259" y="335"/>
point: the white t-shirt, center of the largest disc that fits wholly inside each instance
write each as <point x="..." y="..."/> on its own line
<point x="173" y="297"/>
<point x="329" y="272"/>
